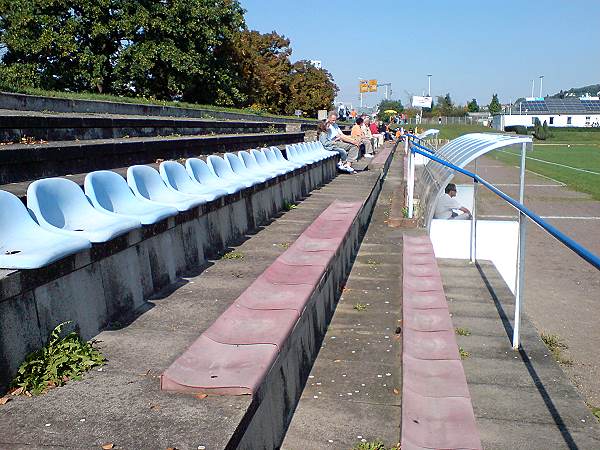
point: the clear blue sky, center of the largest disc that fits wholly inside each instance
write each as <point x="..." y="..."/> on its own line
<point x="472" y="48"/>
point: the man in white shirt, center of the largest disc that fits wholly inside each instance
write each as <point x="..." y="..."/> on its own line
<point x="347" y="143"/>
<point x="447" y="204"/>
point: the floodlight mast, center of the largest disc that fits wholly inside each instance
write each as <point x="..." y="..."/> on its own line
<point x="541" y="83"/>
<point x="532" y="87"/>
<point x="429" y="85"/>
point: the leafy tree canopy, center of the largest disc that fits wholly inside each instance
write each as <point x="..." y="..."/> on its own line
<point x="192" y="50"/>
<point x="389" y="105"/>
<point x="472" y="106"/>
<point x="310" y="88"/>
<point x="495" y="107"/>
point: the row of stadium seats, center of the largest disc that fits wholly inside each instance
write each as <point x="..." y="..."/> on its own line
<point x="62" y="220"/>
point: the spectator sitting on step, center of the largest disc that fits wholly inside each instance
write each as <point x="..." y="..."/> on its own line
<point x="447" y="206"/>
<point x="366" y="127"/>
<point x="358" y="133"/>
<point x="333" y="146"/>
<point x="346" y="143"/>
<point x="375" y="133"/>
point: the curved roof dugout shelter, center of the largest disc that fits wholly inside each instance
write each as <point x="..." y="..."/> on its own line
<point x="428" y="133"/>
<point x="461" y="151"/>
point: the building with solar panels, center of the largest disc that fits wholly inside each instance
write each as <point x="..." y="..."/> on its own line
<point x="557" y="112"/>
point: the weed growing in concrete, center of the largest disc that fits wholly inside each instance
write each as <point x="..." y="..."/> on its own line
<point x="287" y="206"/>
<point x="60" y="360"/>
<point x="405" y="212"/>
<point x="556" y="346"/>
<point x="596" y="412"/>
<point x="284" y="244"/>
<point x="375" y="445"/>
<point x="233" y="255"/>
<point x="463" y="353"/>
<point x="372" y="262"/>
<point x="463" y="331"/>
<point x="360" y="307"/>
<point x="271" y="129"/>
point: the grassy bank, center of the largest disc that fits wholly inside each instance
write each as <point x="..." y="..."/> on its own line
<point x="586" y="157"/>
<point x="144" y="101"/>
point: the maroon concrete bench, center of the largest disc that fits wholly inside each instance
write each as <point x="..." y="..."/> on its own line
<point x="233" y="356"/>
<point x="436" y="404"/>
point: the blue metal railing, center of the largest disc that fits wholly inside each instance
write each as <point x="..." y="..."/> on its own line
<point x="580" y="250"/>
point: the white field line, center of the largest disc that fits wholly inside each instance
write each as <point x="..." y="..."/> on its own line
<point x="555" y="164"/>
<point x="495" y="216"/>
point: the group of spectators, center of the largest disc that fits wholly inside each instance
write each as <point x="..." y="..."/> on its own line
<point x="364" y="138"/>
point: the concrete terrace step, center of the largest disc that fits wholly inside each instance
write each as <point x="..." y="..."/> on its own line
<point x="353" y="390"/>
<point x="24" y="102"/>
<point x="436" y="405"/>
<point x="122" y="404"/>
<point x="20" y="162"/>
<point x="521" y="399"/>
<point x="17" y="125"/>
<point x="248" y="330"/>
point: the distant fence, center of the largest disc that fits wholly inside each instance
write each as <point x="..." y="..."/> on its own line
<point x="445" y="121"/>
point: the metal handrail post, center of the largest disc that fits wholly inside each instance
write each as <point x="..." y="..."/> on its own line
<point x="520" y="280"/>
<point x="411" y="182"/>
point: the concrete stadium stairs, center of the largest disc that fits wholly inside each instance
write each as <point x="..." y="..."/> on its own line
<point x="122" y="403"/>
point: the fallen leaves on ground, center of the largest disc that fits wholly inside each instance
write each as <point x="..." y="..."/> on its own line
<point x="396" y="391"/>
<point x="4" y="400"/>
<point x="108" y="446"/>
<point x="201" y="396"/>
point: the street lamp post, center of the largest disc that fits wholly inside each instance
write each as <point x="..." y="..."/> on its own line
<point x="541" y="81"/>
<point x="429" y="85"/>
<point x="532" y="87"/>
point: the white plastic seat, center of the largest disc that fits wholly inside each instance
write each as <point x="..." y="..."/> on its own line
<point x="222" y="169"/>
<point x="26" y="245"/>
<point x="251" y="164"/>
<point x="176" y="177"/>
<point x="289" y="160"/>
<point x="108" y="191"/>
<point x="238" y="167"/>
<point x="201" y="172"/>
<point x="263" y="161"/>
<point x="145" y="182"/>
<point x="61" y="206"/>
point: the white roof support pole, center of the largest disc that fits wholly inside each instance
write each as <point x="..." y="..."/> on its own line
<point x="473" y="250"/>
<point x="410" y="188"/>
<point x="520" y="279"/>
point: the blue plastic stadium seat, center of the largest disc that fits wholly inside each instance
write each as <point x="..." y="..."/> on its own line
<point x="145" y="182"/>
<point x="24" y="244"/>
<point x="222" y="169"/>
<point x="251" y="164"/>
<point x="176" y="177"/>
<point x="199" y="171"/>
<point x="264" y="162"/>
<point x="60" y="205"/>
<point x="294" y="154"/>
<point x="309" y="151"/>
<point x="319" y="149"/>
<point x="108" y="191"/>
<point x="238" y="167"/>
<point x="279" y="156"/>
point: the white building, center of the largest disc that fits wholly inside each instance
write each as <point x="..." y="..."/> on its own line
<point x="556" y="112"/>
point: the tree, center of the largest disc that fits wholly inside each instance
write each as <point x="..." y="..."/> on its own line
<point x="262" y="62"/>
<point x="389" y="105"/>
<point x="164" y="49"/>
<point x="444" y="106"/>
<point x="182" y="49"/>
<point x="472" y="106"/>
<point x="66" y="44"/>
<point x="310" y="89"/>
<point x="494" y="107"/>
